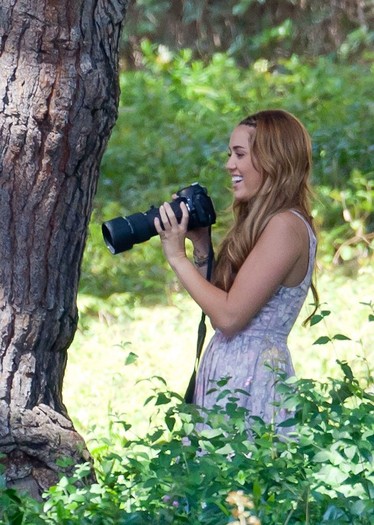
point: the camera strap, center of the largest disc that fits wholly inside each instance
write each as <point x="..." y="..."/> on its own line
<point x="201" y="333"/>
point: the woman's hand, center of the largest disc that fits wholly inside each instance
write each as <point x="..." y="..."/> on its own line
<point x="172" y="233"/>
<point x="200" y="238"/>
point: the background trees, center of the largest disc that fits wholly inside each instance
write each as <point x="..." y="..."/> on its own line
<point x="248" y="29"/>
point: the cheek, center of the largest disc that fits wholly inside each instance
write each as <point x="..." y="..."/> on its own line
<point x="259" y="179"/>
<point x="254" y="178"/>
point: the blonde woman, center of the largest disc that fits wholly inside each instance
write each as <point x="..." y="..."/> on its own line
<point x="264" y="266"/>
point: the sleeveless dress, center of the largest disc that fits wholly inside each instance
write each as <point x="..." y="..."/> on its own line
<point x="252" y="359"/>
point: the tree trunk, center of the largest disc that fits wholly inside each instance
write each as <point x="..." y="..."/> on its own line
<point x="58" y="103"/>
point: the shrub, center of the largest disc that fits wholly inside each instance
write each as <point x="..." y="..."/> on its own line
<point x="180" y="472"/>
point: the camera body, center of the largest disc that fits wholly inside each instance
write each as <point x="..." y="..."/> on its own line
<point x="121" y="233"/>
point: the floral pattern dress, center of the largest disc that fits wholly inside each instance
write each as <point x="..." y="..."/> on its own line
<point x="252" y="359"/>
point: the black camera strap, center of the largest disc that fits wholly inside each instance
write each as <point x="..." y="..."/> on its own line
<point x="201" y="333"/>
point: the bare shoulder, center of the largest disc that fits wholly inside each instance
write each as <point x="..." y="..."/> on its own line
<point x="286" y="223"/>
<point x="286" y="236"/>
<point x="285" y="232"/>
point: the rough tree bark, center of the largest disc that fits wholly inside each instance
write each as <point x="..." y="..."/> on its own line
<point x="58" y="103"/>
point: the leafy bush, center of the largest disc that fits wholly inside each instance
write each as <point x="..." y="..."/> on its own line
<point x="321" y="471"/>
<point x="174" y="122"/>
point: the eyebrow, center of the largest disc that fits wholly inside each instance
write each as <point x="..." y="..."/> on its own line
<point x="235" y="148"/>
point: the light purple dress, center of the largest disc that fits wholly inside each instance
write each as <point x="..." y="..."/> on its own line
<point x="252" y="357"/>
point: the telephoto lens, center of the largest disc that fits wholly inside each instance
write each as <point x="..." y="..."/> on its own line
<point x="120" y="234"/>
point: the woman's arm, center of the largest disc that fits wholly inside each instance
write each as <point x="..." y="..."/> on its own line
<point x="273" y="258"/>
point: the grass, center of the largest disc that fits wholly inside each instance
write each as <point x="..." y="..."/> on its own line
<point x="116" y="357"/>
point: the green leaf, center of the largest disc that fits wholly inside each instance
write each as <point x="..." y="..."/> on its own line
<point x="170" y="422"/>
<point x="316" y="319"/>
<point x="211" y="433"/>
<point x="332" y="475"/>
<point x="188" y="428"/>
<point x="223" y="394"/>
<point x="350" y="452"/>
<point x="288" y="422"/>
<point x="223" y="382"/>
<point x="322" y="340"/>
<point x="341" y="337"/>
<point x="148" y="400"/>
<point x="162" y="399"/>
<point x="322" y="456"/>
<point x="347" y="370"/>
<point x="340" y="394"/>
<point x="131" y="358"/>
<point x="241" y="477"/>
<point x="257" y="492"/>
<point x="225" y="450"/>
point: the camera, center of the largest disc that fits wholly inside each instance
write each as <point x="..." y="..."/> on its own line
<point x="121" y="233"/>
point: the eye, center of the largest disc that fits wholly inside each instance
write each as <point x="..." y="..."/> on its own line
<point x="240" y="152"/>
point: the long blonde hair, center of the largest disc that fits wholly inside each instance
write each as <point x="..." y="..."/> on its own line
<point x="281" y="151"/>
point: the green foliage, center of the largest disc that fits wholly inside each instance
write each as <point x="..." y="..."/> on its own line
<point x="175" y="117"/>
<point x="250" y="29"/>
<point x="203" y="466"/>
<point x="18" y="509"/>
<point x="199" y="466"/>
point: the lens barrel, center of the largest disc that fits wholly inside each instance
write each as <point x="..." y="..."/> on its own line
<point x="120" y="234"/>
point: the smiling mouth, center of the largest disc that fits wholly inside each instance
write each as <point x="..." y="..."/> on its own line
<point x="236" y="179"/>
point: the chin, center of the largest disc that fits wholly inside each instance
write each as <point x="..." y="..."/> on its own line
<point x="242" y="198"/>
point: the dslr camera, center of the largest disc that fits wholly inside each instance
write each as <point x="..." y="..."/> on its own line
<point x="121" y="233"/>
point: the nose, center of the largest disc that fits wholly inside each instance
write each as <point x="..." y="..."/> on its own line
<point x="230" y="164"/>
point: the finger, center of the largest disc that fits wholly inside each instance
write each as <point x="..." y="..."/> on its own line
<point x="185" y="215"/>
<point x="170" y="214"/>
<point x="157" y="225"/>
<point x="163" y="216"/>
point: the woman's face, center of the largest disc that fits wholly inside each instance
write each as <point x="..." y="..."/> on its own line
<point x="246" y="180"/>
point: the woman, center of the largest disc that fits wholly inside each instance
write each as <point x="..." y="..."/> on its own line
<point x="264" y="267"/>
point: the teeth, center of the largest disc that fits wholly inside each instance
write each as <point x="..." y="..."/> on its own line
<point x="236" y="179"/>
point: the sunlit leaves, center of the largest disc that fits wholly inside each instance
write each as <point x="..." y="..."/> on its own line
<point x="180" y="472"/>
